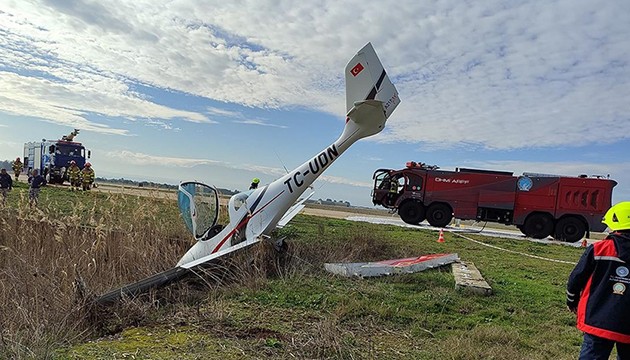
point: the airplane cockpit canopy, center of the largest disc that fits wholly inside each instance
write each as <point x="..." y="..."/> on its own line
<point x="199" y="206"/>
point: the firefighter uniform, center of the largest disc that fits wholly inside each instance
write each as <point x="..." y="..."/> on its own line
<point x="17" y="168"/>
<point x="393" y="186"/>
<point x="392" y="195"/>
<point x="598" y="290"/>
<point x="87" y="176"/>
<point x="74" y="176"/>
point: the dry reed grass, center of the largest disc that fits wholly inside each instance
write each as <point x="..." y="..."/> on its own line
<point x="53" y="264"/>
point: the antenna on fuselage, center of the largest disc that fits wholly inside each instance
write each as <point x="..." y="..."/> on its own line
<point x="279" y="159"/>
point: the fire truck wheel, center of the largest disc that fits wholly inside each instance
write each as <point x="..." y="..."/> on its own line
<point x="411" y="212"/>
<point x="570" y="229"/>
<point x="538" y="226"/>
<point x="439" y="215"/>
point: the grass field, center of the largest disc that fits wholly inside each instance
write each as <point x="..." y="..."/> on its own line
<point x="257" y="304"/>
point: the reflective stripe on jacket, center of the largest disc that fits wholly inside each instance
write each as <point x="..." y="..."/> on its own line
<point x="87" y="175"/>
<point x="74" y="172"/>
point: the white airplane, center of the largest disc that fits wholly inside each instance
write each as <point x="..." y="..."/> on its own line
<point x="370" y="100"/>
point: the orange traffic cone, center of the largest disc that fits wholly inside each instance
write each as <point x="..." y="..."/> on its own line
<point x="441" y="237"/>
<point x="584" y="243"/>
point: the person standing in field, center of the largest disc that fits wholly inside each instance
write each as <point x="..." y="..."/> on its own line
<point x="36" y="181"/>
<point x="6" y="184"/>
<point x="87" y="176"/>
<point x="254" y="184"/>
<point x="17" y="168"/>
<point x="598" y="290"/>
<point x="393" y="190"/>
<point x="74" y="176"/>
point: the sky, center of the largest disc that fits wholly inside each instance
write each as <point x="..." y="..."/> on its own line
<point x="224" y="91"/>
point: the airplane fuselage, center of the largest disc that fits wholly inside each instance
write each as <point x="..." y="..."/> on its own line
<point x="370" y="100"/>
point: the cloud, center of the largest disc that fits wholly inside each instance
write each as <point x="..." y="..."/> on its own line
<point x="9" y="150"/>
<point x="471" y="74"/>
<point x="161" y="125"/>
<point x="259" y="123"/>
<point x="222" y="112"/>
<point x="557" y="168"/>
<point x="345" y="181"/>
<point x="41" y="83"/>
<point x="242" y="118"/>
<point x="74" y="100"/>
<point x="138" y="158"/>
<point x="515" y="78"/>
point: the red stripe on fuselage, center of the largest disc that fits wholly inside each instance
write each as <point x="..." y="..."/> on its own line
<point x="243" y="223"/>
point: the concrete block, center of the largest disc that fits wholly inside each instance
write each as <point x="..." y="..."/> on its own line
<point x="468" y="278"/>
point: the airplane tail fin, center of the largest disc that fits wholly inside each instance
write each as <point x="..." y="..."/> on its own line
<point x="370" y="95"/>
<point x="366" y="79"/>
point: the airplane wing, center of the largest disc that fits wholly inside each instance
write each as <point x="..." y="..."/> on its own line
<point x="218" y="254"/>
<point x="293" y="210"/>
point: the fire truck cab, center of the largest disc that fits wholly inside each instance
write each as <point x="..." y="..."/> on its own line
<point x="539" y="205"/>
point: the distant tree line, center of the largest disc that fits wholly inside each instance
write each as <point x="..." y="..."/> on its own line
<point x="129" y="182"/>
<point x="5" y="164"/>
<point x="329" y="202"/>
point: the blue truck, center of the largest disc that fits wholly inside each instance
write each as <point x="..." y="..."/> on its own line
<point x="52" y="157"/>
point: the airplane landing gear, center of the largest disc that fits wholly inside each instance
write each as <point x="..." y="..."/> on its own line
<point x="280" y="244"/>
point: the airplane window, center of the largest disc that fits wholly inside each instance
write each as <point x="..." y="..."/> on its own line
<point x="239" y="199"/>
<point x="382" y="181"/>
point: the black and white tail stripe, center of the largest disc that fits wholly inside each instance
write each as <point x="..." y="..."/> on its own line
<point x="372" y="94"/>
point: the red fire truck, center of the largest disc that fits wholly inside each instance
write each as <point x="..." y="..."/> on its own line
<point x="539" y="205"/>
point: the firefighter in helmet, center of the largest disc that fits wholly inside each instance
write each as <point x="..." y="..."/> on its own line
<point x="74" y="176"/>
<point x="87" y="176"/>
<point x="254" y="184"/>
<point x="17" y="168"/>
<point x="393" y="185"/>
<point x="598" y="290"/>
<point x="392" y="195"/>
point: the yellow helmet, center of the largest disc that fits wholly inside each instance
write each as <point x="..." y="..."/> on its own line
<point x="618" y="216"/>
<point x="256" y="180"/>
